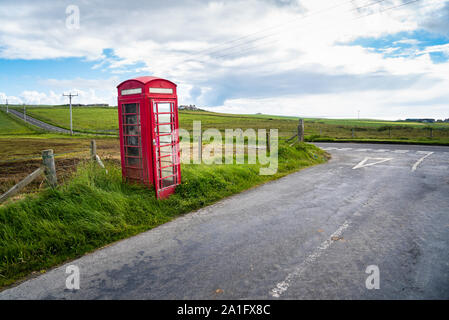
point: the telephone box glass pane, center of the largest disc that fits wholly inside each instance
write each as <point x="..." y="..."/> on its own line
<point x="165" y="139"/>
<point x="166" y="128"/>
<point x="132" y="141"/>
<point x="132" y="130"/>
<point x="165" y="172"/>
<point x="164" y="107"/>
<point x="131" y="119"/>
<point x="165" y="150"/>
<point x="133" y="162"/>
<point x="168" y="182"/>
<point x="133" y="151"/>
<point x="166" y="161"/>
<point x="130" y="108"/>
<point x="165" y="118"/>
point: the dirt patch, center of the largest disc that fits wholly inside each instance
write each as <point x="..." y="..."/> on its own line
<point x="69" y="153"/>
<point x="13" y="172"/>
<point x="22" y="149"/>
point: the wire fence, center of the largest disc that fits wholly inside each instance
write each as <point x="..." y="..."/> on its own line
<point x="314" y="129"/>
<point x="28" y="177"/>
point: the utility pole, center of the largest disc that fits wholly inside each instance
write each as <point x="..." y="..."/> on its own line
<point x="70" y="95"/>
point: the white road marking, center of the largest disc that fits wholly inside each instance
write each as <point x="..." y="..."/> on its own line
<point x="423" y="152"/>
<point x="363" y="163"/>
<point x="344" y="149"/>
<point x="362" y="150"/>
<point x="282" y="286"/>
<point x="380" y="150"/>
<point x="330" y="148"/>
<point x="420" y="160"/>
<point x="401" y="151"/>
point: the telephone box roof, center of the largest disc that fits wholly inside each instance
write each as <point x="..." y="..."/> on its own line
<point x="146" y="79"/>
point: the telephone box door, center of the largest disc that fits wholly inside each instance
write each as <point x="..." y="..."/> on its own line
<point x="132" y="157"/>
<point x="165" y="147"/>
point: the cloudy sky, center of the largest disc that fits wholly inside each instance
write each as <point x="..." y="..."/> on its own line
<point x="387" y="59"/>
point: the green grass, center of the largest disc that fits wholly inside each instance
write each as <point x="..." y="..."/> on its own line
<point x="85" y="119"/>
<point x="370" y="123"/>
<point x="94" y="209"/>
<point x="9" y="125"/>
<point x="103" y="119"/>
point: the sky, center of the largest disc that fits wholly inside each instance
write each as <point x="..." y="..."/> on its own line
<point x="312" y="58"/>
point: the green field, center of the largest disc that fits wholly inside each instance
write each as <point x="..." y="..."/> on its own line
<point x="85" y="119"/>
<point x="9" y="125"/>
<point x="102" y="119"/>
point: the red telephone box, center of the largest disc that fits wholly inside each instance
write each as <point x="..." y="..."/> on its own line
<point x="149" y="140"/>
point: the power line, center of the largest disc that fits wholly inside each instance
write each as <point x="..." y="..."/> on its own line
<point x="390" y="8"/>
<point x="269" y="28"/>
<point x="356" y="18"/>
<point x="208" y="53"/>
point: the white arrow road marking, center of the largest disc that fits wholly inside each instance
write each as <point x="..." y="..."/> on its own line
<point x="282" y="286"/>
<point x="363" y="163"/>
<point x="420" y="160"/>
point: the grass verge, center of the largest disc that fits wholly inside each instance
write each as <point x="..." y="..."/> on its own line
<point x="423" y="141"/>
<point x="94" y="209"/>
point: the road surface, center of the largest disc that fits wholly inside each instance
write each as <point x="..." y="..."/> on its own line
<point x="38" y="123"/>
<point x="309" y="235"/>
<point x="49" y="127"/>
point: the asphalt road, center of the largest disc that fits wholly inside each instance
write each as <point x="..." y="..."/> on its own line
<point x="38" y="123"/>
<point x="49" y="127"/>
<point x="310" y="235"/>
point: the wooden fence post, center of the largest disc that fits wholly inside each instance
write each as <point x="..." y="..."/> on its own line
<point x="268" y="142"/>
<point x="49" y="167"/>
<point x="301" y="130"/>
<point x="93" y="150"/>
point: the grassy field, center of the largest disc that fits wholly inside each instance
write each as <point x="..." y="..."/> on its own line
<point x="102" y="119"/>
<point x="85" y="119"/>
<point x="9" y="125"/>
<point x="93" y="209"/>
<point x="376" y="123"/>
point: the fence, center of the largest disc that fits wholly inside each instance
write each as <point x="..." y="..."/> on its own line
<point x="48" y="169"/>
<point x="316" y="129"/>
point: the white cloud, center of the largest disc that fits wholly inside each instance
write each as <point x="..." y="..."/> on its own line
<point x="11" y="99"/>
<point x="299" y="58"/>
